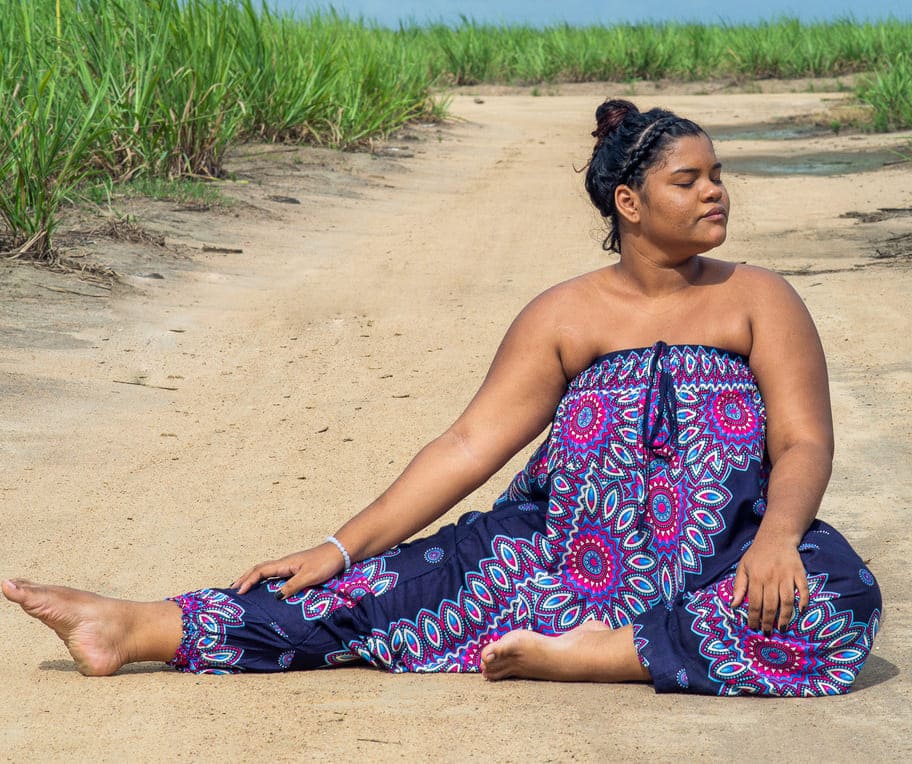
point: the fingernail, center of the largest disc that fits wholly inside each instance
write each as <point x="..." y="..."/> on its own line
<point x="11" y="584"/>
<point x="279" y="595"/>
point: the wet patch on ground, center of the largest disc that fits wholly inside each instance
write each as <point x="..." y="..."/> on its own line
<point x="813" y="163"/>
<point x="777" y="131"/>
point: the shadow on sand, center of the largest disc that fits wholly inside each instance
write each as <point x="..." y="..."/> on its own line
<point x="69" y="667"/>
<point x="876" y="671"/>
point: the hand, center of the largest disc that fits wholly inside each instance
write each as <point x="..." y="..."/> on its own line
<point x="769" y="574"/>
<point x="302" y="569"/>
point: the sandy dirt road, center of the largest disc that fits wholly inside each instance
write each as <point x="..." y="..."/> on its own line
<point x="308" y="370"/>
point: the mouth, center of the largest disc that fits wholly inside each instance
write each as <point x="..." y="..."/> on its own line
<point x="716" y="213"/>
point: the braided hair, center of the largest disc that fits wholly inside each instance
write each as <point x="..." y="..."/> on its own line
<point x="628" y="144"/>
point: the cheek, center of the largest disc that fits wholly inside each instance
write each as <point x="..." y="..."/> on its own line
<point x="677" y="212"/>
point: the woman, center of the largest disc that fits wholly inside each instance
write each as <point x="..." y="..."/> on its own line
<point x="664" y="531"/>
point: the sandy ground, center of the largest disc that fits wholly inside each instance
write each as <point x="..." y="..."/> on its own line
<point x="307" y="369"/>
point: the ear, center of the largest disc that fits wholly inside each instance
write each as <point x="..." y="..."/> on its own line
<point x="627" y="203"/>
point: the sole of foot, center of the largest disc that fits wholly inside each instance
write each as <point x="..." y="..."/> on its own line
<point x="91" y="627"/>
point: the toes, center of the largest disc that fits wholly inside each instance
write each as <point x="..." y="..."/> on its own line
<point x="13" y="589"/>
<point x="18" y="590"/>
<point x="494" y="670"/>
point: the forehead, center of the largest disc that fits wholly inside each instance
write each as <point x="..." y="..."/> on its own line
<point x="688" y="151"/>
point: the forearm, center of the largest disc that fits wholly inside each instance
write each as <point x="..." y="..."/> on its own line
<point x="443" y="473"/>
<point x="798" y="478"/>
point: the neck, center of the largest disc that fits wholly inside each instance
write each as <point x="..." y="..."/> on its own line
<point x="654" y="274"/>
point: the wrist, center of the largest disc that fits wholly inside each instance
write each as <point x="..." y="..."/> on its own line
<point x="772" y="535"/>
<point x="346" y="557"/>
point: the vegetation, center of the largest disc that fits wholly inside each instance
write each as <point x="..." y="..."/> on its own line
<point x="151" y="90"/>
<point x="889" y="91"/>
<point x="126" y="89"/>
<point x="473" y="53"/>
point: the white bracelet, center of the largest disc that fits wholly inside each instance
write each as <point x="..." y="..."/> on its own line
<point x="345" y="556"/>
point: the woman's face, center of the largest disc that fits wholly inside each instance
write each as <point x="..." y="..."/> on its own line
<point x="683" y="204"/>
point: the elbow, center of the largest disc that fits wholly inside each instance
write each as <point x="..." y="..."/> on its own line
<point x="816" y="454"/>
<point x="466" y="451"/>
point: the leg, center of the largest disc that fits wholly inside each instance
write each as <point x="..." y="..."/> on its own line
<point x="102" y="634"/>
<point x="704" y="645"/>
<point x="592" y="652"/>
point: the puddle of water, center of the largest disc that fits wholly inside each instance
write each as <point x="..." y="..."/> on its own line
<point x="768" y="132"/>
<point x="817" y="163"/>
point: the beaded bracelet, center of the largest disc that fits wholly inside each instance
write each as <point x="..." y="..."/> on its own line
<point x="345" y="556"/>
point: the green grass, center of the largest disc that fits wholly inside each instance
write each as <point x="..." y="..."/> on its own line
<point x="889" y="92"/>
<point x="136" y="91"/>
<point x="473" y="53"/>
<point x="190" y="191"/>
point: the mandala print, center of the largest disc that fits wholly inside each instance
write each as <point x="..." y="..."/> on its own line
<point x="721" y="420"/>
<point x="604" y="560"/>
<point x="368" y="577"/>
<point x="207" y="615"/>
<point x="584" y="424"/>
<point x="648" y="489"/>
<point x="820" y="653"/>
<point x="434" y="555"/>
<point x="450" y="638"/>
<point x="529" y="483"/>
<point x="683" y="520"/>
<point x="640" y="643"/>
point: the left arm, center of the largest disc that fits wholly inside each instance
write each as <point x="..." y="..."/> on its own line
<point x="788" y="362"/>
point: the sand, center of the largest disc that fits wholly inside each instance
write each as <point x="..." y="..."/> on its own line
<point x="308" y="368"/>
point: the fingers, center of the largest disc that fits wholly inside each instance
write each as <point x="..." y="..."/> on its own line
<point x="241" y="578"/>
<point x="787" y="596"/>
<point x="771" y="607"/>
<point x="269" y="569"/>
<point x="755" y="607"/>
<point x="804" y="595"/>
<point x="323" y="562"/>
<point x="739" y="587"/>
<point x="769" y="580"/>
<point x="300" y="580"/>
<point x="786" y="605"/>
<point x="302" y="569"/>
<point x="762" y="601"/>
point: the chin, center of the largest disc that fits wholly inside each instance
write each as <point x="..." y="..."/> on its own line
<point x="715" y="241"/>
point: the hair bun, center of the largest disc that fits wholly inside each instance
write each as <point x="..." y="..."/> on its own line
<point x="609" y="115"/>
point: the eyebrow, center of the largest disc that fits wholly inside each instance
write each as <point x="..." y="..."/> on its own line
<point x="682" y="170"/>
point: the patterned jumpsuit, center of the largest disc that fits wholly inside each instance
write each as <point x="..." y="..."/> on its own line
<point x="636" y="509"/>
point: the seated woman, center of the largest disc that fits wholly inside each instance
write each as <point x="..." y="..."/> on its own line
<point x="664" y="530"/>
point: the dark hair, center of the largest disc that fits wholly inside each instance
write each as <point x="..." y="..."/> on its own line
<point x="628" y="143"/>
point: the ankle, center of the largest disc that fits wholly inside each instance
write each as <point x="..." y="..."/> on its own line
<point x="152" y="631"/>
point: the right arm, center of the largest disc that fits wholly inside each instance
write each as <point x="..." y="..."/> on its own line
<point x="514" y="404"/>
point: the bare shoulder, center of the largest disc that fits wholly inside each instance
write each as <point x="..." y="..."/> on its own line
<point x="780" y="322"/>
<point x="559" y="304"/>
<point x="759" y="285"/>
<point x="559" y="321"/>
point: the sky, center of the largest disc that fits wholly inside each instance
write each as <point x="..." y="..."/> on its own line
<point x="581" y="12"/>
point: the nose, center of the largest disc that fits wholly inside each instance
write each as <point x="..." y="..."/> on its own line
<point x="712" y="191"/>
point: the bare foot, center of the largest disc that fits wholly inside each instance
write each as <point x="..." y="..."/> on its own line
<point x="592" y="652"/>
<point x="98" y="631"/>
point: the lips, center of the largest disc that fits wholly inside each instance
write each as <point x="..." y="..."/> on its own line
<point x="716" y="213"/>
